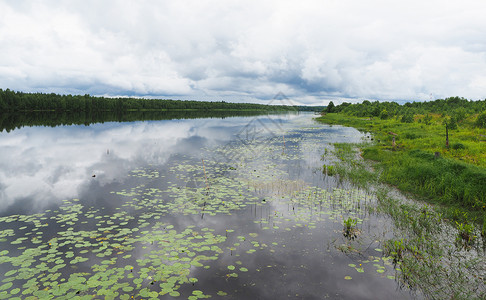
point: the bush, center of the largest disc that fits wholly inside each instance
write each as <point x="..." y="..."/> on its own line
<point x="451" y="123"/>
<point x="412" y="136"/>
<point x="407" y="118"/>
<point x="458" y="146"/>
<point x="460" y="114"/>
<point x="384" y="114"/>
<point x="481" y="120"/>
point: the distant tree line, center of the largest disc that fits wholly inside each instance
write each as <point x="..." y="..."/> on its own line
<point x="310" y="108"/>
<point x="11" y="101"/>
<point x="11" y="121"/>
<point x="455" y="109"/>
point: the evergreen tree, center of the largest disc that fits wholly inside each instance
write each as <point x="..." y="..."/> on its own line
<point x="330" y="107"/>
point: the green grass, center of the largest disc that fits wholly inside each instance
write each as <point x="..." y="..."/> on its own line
<point x="420" y="163"/>
<point x="418" y="135"/>
<point x="439" y="180"/>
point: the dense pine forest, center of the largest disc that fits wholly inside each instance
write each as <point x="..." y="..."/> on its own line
<point x="11" y="101"/>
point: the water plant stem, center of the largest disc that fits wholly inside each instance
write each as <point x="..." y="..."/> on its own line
<point x="205" y="176"/>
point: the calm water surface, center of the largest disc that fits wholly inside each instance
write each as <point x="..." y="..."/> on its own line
<point x="229" y="208"/>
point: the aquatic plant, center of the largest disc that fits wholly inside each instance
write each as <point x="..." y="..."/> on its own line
<point x="329" y="170"/>
<point x="466" y="236"/>
<point x="350" y="231"/>
<point x="483" y="231"/>
<point x="395" y="249"/>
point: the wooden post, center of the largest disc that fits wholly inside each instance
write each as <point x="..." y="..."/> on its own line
<point x="205" y="176"/>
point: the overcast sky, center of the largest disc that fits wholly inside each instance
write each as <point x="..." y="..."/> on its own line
<point x="246" y="51"/>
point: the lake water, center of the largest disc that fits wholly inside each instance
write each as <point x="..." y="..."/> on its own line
<point x="235" y="208"/>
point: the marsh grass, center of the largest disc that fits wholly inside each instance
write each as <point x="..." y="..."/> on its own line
<point x="436" y="256"/>
<point x="351" y="167"/>
<point x="329" y="170"/>
<point x="429" y="258"/>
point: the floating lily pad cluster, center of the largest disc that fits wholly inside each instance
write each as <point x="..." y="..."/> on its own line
<point x="382" y="265"/>
<point x="118" y="259"/>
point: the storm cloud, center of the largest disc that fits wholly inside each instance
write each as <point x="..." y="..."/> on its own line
<point x="246" y="51"/>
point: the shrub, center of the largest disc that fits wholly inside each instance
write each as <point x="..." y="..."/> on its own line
<point x="384" y="114"/>
<point x="460" y="114"/>
<point x="458" y="146"/>
<point x="481" y="120"/>
<point x="450" y="122"/>
<point x="411" y="136"/>
<point x="407" y="118"/>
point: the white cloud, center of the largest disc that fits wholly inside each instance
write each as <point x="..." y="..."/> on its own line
<point x="245" y="49"/>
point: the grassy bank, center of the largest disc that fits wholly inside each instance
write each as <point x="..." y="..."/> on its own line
<point x="414" y="158"/>
<point x="436" y="257"/>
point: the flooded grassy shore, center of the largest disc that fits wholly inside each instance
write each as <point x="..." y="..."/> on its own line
<point x="442" y="241"/>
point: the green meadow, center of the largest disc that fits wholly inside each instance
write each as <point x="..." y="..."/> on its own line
<point x="446" y="167"/>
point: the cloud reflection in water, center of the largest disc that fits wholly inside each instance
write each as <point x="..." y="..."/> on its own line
<point x="43" y="165"/>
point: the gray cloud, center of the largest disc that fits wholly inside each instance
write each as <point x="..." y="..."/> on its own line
<point x="245" y="50"/>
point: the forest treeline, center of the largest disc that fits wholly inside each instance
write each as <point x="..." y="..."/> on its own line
<point x="11" y="101"/>
<point x="11" y="121"/>
<point x="455" y="109"/>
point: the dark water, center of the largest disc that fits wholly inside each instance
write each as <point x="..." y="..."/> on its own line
<point x="229" y="208"/>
